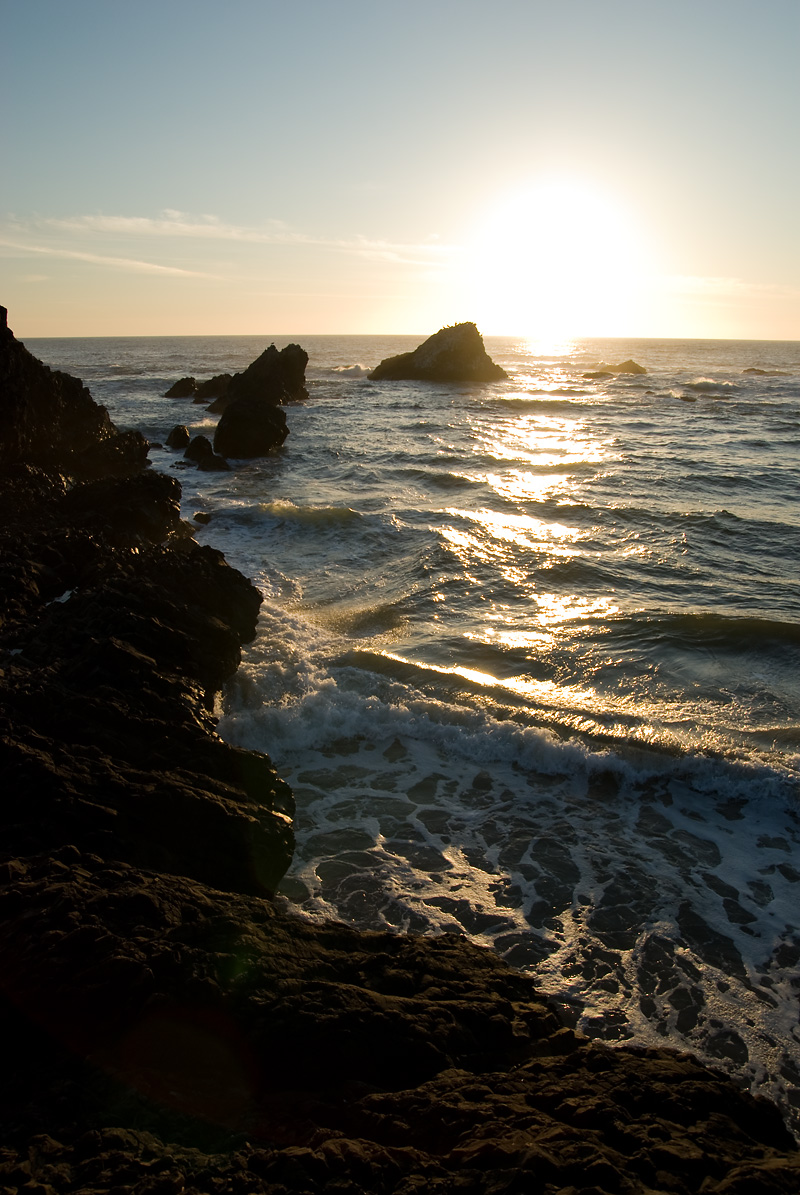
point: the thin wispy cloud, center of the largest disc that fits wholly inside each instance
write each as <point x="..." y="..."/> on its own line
<point x="181" y="225"/>
<point x="101" y="259"/>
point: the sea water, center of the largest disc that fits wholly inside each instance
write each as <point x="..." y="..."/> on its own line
<point x="529" y="656"/>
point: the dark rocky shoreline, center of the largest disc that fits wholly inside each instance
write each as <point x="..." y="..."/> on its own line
<point x="166" y="1027"/>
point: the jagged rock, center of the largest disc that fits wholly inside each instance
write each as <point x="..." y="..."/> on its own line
<point x="250" y="427"/>
<point x="212" y="388"/>
<point x="201" y="452"/>
<point x="122" y="630"/>
<point x="179" y="437"/>
<point x="454" y="354"/>
<point x="274" y="377"/>
<point x="50" y="419"/>
<point x="125" y="510"/>
<point x="183" y="388"/>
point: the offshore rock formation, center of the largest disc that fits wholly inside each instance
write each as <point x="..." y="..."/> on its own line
<point x="166" y="1028"/>
<point x="252" y="422"/>
<point x="179" y="437"/>
<point x="250" y="427"/>
<point x="274" y="377"/>
<point x="201" y="452"/>
<point x="183" y="388"/>
<point x="454" y="354"/>
<point x="628" y="366"/>
<point x="212" y="388"/>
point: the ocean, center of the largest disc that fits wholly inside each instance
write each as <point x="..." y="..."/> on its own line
<point x="529" y="656"/>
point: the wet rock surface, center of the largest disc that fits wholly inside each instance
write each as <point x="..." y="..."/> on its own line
<point x="167" y="1027"/>
<point x="454" y="354"/>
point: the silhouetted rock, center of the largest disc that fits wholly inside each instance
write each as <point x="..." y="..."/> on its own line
<point x="50" y="419"/>
<point x="179" y="437"/>
<point x="122" y="630"/>
<point x="454" y="354"/>
<point x="201" y="452"/>
<point x="628" y="366"/>
<point x="183" y="388"/>
<point x="274" y="377"/>
<point x="215" y="387"/>
<point x="128" y="509"/>
<point x="250" y="427"/>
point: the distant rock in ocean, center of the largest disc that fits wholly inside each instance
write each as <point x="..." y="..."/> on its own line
<point x="454" y="354"/>
<point x="183" y="388"/>
<point x="213" y="388"/>
<point x="628" y="366"/>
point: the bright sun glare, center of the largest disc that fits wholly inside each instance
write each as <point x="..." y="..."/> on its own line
<point x="556" y="260"/>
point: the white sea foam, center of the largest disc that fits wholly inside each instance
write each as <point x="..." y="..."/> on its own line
<point x="352" y="371"/>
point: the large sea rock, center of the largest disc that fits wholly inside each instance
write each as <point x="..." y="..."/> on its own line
<point x="454" y="354"/>
<point x="167" y="1026"/>
<point x="274" y="377"/>
<point x="252" y="422"/>
<point x="250" y="427"/>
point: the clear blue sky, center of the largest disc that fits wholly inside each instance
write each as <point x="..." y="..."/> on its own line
<point x="587" y="167"/>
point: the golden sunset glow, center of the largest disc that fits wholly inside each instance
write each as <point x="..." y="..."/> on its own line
<point x="556" y="260"/>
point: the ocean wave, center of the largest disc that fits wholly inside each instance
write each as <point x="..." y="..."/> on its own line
<point x="317" y="515"/>
<point x="352" y="371"/>
<point x="439" y="478"/>
<point x="707" y="629"/>
<point x="374" y="695"/>
<point x="710" y="386"/>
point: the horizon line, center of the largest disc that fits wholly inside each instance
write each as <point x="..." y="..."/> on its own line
<point x="376" y="335"/>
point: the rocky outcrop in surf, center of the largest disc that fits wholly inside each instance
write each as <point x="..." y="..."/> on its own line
<point x="275" y="377"/>
<point x="250" y="427"/>
<point x="252" y="422"/>
<point x="453" y="354"/>
<point x="628" y="366"/>
<point x="166" y="1026"/>
<point x="200" y="451"/>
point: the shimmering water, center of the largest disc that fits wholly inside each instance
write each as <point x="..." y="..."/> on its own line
<point x="529" y="657"/>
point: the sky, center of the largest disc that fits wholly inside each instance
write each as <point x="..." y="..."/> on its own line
<point x="546" y="169"/>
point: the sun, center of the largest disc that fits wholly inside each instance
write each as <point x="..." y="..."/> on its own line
<point x="555" y="260"/>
